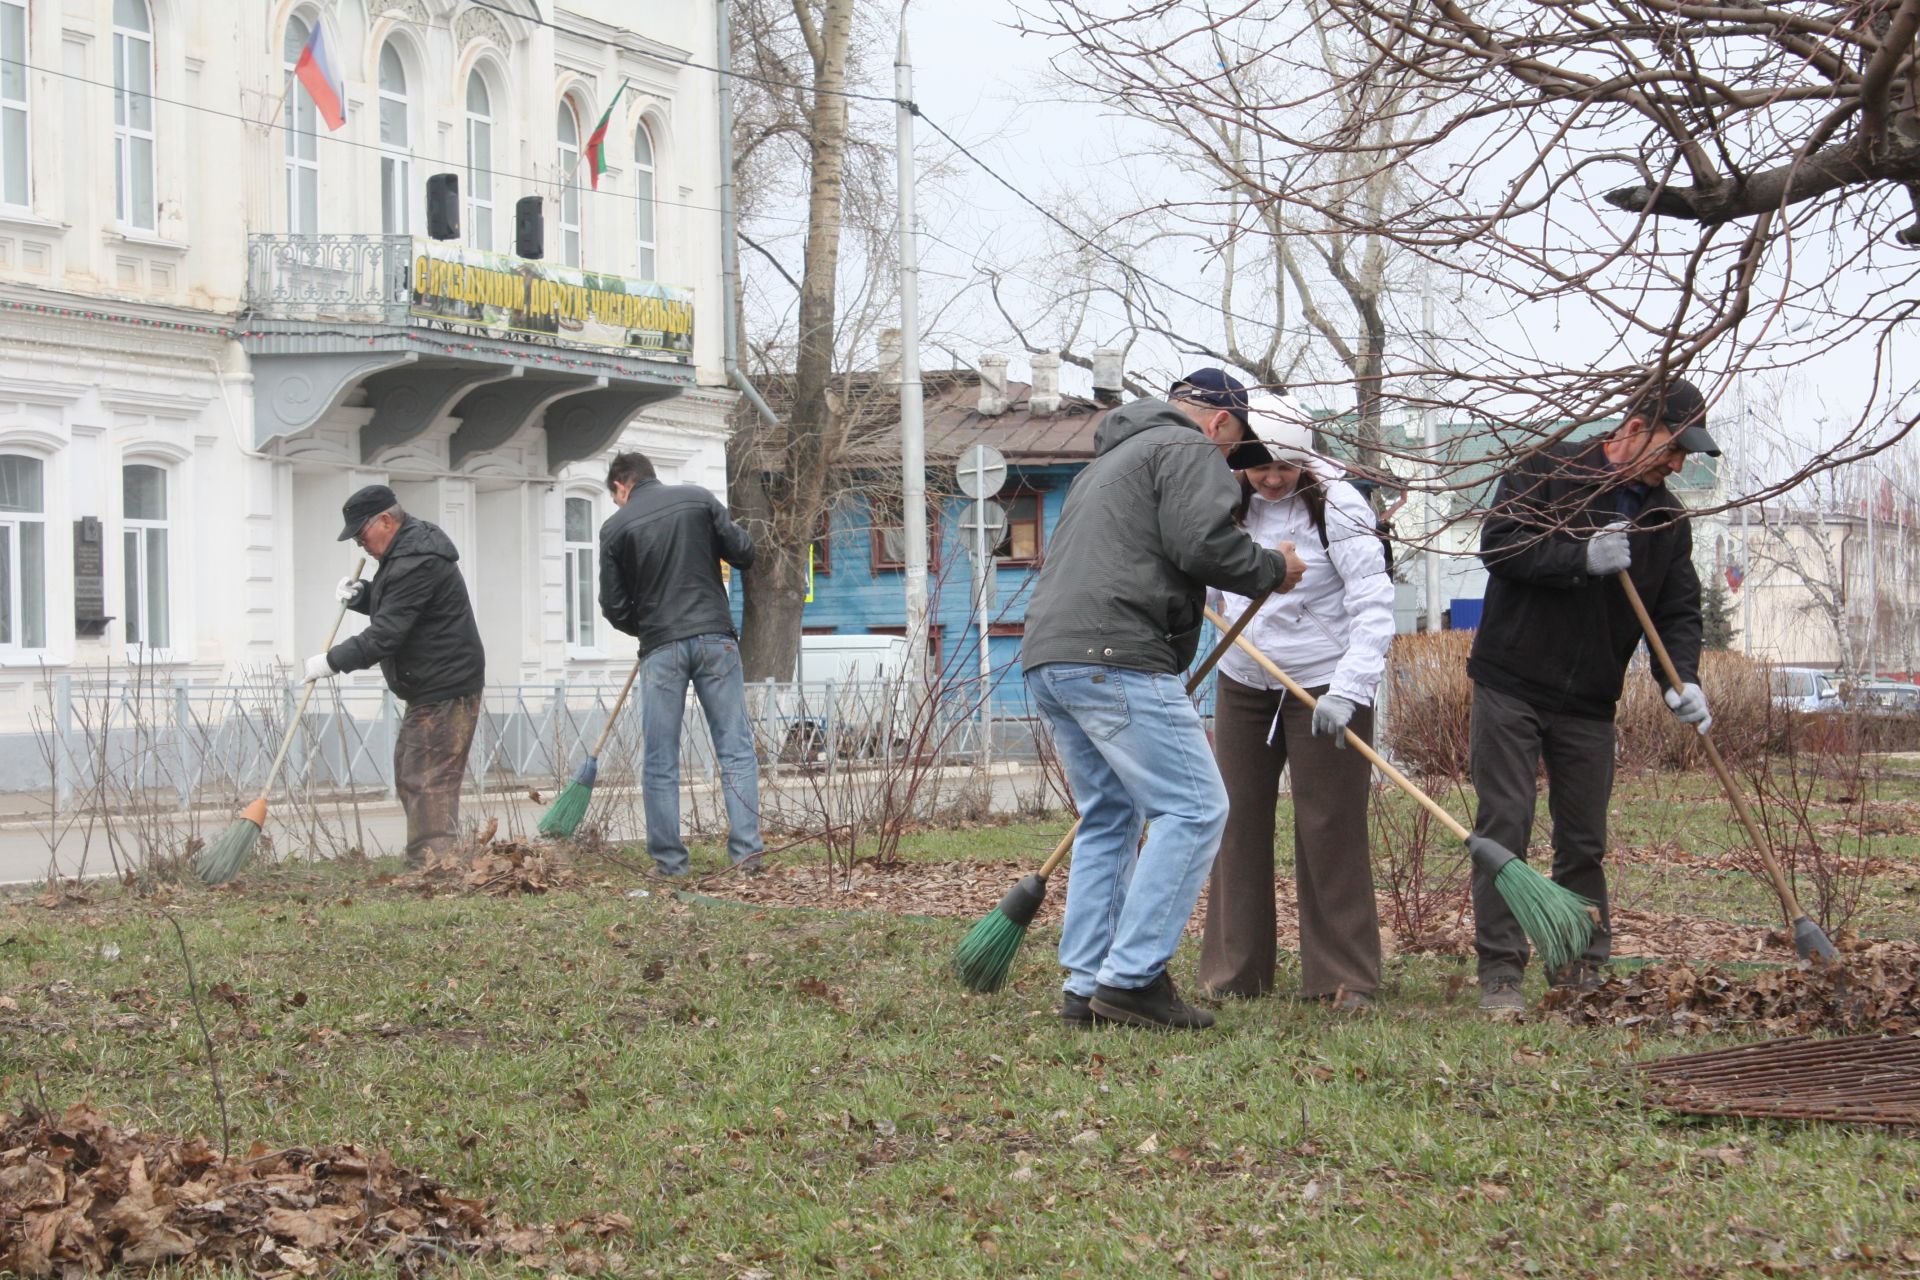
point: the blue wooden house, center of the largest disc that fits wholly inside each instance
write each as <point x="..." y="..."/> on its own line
<point x="858" y="571"/>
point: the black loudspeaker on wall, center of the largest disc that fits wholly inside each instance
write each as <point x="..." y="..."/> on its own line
<point x="443" y="206"/>
<point x="529" y="227"/>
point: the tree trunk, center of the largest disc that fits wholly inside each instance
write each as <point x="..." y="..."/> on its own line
<point x="785" y="484"/>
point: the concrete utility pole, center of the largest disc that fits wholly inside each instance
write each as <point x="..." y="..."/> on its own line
<point x="913" y="431"/>
<point x="1430" y="429"/>
<point x="1873" y="576"/>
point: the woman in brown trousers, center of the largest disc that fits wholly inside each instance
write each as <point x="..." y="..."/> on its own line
<point x="1331" y="635"/>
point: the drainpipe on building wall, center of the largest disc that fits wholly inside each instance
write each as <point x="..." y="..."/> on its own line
<point x="729" y="242"/>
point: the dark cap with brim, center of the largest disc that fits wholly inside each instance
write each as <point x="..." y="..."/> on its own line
<point x="1681" y="406"/>
<point x="1214" y="387"/>
<point x="364" y="506"/>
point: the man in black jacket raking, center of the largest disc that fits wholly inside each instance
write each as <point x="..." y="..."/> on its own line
<point x="1550" y="657"/>
<point x="423" y="635"/>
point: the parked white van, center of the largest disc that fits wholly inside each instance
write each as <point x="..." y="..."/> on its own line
<point x="849" y="697"/>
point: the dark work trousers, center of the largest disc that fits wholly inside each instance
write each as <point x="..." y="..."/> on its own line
<point x="429" y="763"/>
<point x="1332" y="872"/>
<point x="1507" y="743"/>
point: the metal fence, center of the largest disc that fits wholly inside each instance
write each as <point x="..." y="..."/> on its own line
<point x="214" y="743"/>
<point x="358" y="278"/>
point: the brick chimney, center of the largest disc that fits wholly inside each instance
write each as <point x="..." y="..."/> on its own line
<point x="993" y="384"/>
<point x="1107" y="375"/>
<point x="890" y="356"/>
<point x="1044" y="400"/>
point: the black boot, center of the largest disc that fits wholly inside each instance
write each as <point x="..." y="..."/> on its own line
<point x="1154" y="1005"/>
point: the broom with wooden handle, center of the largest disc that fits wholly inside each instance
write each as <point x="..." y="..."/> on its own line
<point x="226" y="857"/>
<point x="570" y="806"/>
<point x="985" y="955"/>
<point x="1558" y="921"/>
<point x="1809" y="939"/>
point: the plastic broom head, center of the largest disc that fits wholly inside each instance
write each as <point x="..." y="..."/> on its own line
<point x="985" y="956"/>
<point x="570" y="806"/>
<point x="1559" y="922"/>
<point x="227" y="856"/>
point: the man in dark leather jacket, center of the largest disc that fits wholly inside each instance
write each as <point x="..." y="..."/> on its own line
<point x="423" y="635"/>
<point x="660" y="557"/>
<point x="1551" y="653"/>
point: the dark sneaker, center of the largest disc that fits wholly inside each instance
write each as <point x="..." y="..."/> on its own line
<point x="1154" y="1005"/>
<point x="1500" y="996"/>
<point x="1076" y="1011"/>
<point x="1580" y="977"/>
<point x="753" y="864"/>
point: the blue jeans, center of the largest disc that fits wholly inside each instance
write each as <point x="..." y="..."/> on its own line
<point x="711" y="664"/>
<point x="1135" y="755"/>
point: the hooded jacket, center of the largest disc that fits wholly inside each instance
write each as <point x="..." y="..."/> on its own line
<point x="422" y="631"/>
<point x="1147" y="527"/>
<point x="660" y="560"/>
<point x="1335" y="626"/>
<point x="1552" y="634"/>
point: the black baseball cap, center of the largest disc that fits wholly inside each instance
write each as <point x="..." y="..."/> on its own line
<point x="364" y="506"/>
<point x="1216" y="387"/>
<point x="1679" y="405"/>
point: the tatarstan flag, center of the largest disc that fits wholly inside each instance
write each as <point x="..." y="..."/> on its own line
<point x="597" y="140"/>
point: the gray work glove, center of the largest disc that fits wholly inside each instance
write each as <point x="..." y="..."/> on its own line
<point x="349" y="590"/>
<point x="1608" y="552"/>
<point x="1689" y="706"/>
<point x="1330" y="716"/>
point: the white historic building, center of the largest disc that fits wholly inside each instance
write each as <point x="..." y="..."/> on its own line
<point x="210" y="335"/>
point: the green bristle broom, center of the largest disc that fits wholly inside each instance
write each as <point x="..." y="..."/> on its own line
<point x="227" y="856"/>
<point x="1557" y="921"/>
<point x="985" y="956"/>
<point x="570" y="806"/>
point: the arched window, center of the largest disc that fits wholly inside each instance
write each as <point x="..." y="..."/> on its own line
<point x="396" y="142"/>
<point x="567" y="129"/>
<point x="14" y="187"/>
<point x="479" y="162"/>
<point x="644" y="232"/>
<point x="144" y="536"/>
<point x="582" y="551"/>
<point x="301" y="136"/>
<point x="23" y="552"/>
<point x="133" y="136"/>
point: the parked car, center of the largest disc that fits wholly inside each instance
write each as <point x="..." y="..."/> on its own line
<point x="1885" y="698"/>
<point x="1805" y="689"/>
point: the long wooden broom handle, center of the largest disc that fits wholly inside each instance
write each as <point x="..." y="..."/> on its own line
<point x="606" y="734"/>
<point x="293" y="725"/>
<point x="1789" y="901"/>
<point x="1194" y="678"/>
<point x="1354" y="740"/>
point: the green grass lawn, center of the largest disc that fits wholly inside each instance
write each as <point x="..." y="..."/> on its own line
<point x="800" y="1093"/>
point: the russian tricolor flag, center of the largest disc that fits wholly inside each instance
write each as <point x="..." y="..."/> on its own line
<point x="316" y="71"/>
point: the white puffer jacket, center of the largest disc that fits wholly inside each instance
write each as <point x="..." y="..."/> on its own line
<point x="1335" y="626"/>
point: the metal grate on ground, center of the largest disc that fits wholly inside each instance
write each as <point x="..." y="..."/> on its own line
<point x="1870" y="1079"/>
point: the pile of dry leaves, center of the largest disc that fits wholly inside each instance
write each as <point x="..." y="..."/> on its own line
<point x="507" y="870"/>
<point x="80" y="1197"/>
<point x="1870" y="987"/>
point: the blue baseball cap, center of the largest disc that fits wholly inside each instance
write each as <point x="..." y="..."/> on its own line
<point x="1216" y="387"/>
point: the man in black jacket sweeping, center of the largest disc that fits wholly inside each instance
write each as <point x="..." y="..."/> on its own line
<point x="1550" y="656"/>
<point x="660" y="557"/>
<point x="423" y="635"/>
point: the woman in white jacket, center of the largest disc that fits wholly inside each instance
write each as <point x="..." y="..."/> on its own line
<point x="1331" y="635"/>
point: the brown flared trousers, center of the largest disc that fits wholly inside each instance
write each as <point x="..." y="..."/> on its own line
<point x="1332" y="872"/>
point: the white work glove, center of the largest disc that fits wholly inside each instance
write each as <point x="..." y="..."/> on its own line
<point x="1331" y="715"/>
<point x="349" y="589"/>
<point x="1689" y="706"/>
<point x="1608" y="552"/>
<point x="318" y="668"/>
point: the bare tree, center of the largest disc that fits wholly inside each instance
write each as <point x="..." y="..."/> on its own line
<point x="1629" y="189"/>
